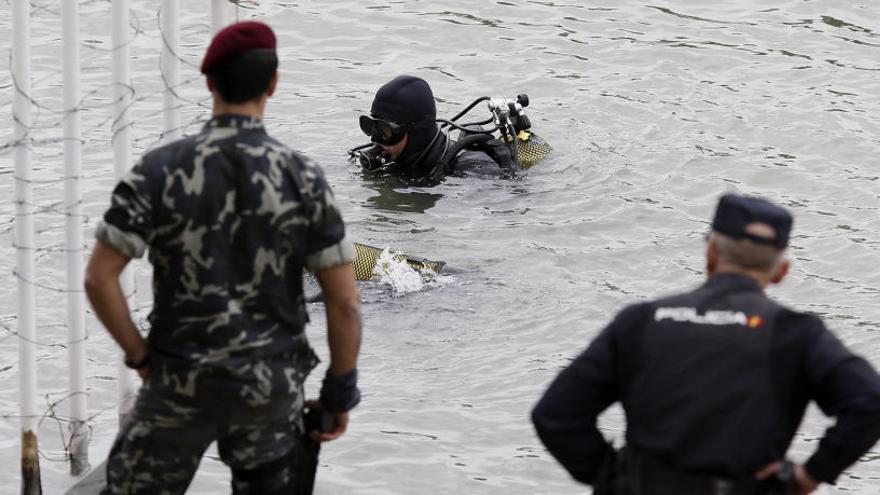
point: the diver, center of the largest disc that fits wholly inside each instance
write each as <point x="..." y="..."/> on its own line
<point x="409" y="142"/>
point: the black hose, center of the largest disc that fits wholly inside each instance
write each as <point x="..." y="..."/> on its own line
<point x="466" y="129"/>
<point x="480" y="123"/>
<point x="352" y="151"/>
<point x="469" y="107"/>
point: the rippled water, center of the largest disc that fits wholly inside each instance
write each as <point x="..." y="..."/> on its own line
<point x="653" y="110"/>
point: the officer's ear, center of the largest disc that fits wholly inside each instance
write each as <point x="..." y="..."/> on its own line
<point x="210" y="84"/>
<point x="711" y="256"/>
<point x="781" y="272"/>
<point x="272" y="84"/>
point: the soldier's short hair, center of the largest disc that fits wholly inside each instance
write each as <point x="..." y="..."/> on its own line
<point x="245" y="77"/>
<point x="746" y="253"/>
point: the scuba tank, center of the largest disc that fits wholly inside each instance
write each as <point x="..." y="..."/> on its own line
<point x="366" y="257"/>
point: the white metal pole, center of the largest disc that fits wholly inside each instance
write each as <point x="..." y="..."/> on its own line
<point x="170" y="27"/>
<point x="24" y="249"/>
<point x="222" y="14"/>
<point x="79" y="438"/>
<point x="126" y="386"/>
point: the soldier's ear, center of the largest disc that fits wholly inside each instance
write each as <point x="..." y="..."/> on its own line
<point x="272" y="84"/>
<point x="781" y="272"/>
<point x="210" y="84"/>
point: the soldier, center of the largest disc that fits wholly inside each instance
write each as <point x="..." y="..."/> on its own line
<point x="714" y="382"/>
<point x="231" y="217"/>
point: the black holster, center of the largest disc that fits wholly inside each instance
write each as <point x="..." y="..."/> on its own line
<point x="292" y="474"/>
<point x="303" y="461"/>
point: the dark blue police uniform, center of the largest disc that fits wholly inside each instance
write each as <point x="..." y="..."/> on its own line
<point x="714" y="383"/>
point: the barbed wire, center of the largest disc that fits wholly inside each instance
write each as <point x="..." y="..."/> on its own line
<point x="62" y="114"/>
<point x="50" y="414"/>
<point x="138" y="310"/>
<point x="102" y="122"/>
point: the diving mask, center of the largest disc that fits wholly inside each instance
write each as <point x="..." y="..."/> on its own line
<point x="381" y="131"/>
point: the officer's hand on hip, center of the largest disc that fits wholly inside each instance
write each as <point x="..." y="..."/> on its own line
<point x="805" y="483"/>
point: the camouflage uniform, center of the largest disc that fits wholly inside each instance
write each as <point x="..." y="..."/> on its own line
<point x="231" y="218"/>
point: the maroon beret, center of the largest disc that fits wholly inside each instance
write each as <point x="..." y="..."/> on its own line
<point x="235" y="39"/>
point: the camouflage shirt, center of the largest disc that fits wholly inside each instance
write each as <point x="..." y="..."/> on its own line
<point x="231" y="218"/>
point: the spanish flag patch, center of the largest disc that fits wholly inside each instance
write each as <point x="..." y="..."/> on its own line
<point x="755" y="321"/>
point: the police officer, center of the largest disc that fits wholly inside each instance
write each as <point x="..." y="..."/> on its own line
<point x="231" y="217"/>
<point x="714" y="382"/>
<point x="408" y="143"/>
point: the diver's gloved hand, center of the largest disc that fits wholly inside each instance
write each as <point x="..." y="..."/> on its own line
<point x="374" y="158"/>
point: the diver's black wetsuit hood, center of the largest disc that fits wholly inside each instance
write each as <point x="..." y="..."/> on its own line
<point x="409" y="101"/>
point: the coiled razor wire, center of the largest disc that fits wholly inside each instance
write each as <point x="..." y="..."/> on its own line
<point x="44" y="135"/>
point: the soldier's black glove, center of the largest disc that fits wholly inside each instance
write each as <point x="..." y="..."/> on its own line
<point x="340" y="393"/>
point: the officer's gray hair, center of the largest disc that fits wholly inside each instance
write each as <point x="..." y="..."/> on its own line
<point x="748" y="254"/>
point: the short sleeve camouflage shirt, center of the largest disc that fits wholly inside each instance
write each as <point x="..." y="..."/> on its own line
<point x="231" y="217"/>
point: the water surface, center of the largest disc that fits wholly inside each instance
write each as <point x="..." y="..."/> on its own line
<point x="653" y="110"/>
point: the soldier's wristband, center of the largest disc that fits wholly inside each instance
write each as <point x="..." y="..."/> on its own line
<point x="143" y="363"/>
<point x="340" y="393"/>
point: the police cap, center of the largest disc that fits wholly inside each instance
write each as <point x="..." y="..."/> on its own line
<point x="235" y="39"/>
<point x="734" y="213"/>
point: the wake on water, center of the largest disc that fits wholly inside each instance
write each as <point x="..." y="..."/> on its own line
<point x="393" y="271"/>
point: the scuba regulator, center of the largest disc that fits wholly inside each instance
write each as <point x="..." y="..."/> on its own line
<point x="371" y="158"/>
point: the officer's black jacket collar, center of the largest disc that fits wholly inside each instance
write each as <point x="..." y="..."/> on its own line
<point x="729" y="280"/>
<point x="235" y="121"/>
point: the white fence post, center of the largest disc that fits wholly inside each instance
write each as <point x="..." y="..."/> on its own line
<point x="79" y="438"/>
<point x="122" y="93"/>
<point x="170" y="31"/>
<point x="24" y="249"/>
<point x="222" y="14"/>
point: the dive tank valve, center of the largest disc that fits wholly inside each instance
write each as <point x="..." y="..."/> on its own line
<point x="511" y="111"/>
